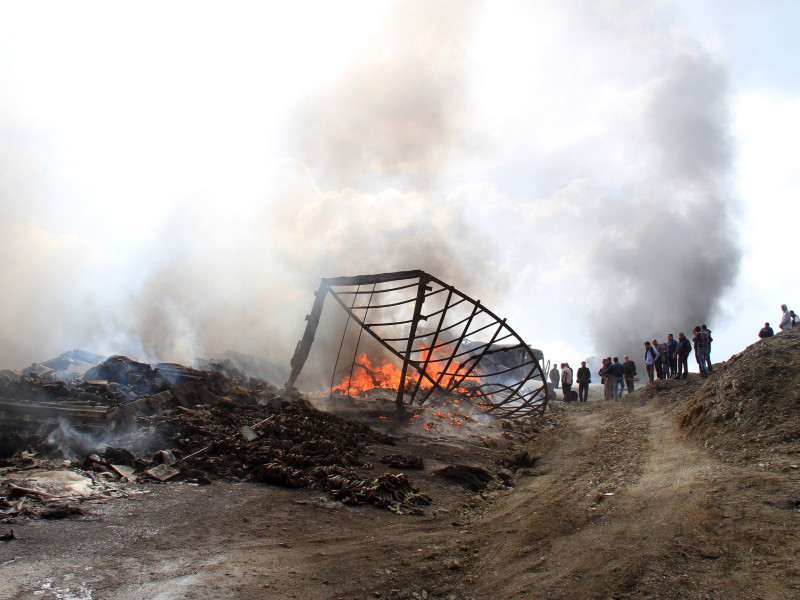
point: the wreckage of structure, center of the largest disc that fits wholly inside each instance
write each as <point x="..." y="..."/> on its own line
<point x="433" y="329"/>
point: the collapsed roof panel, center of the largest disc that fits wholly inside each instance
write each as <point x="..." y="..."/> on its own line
<point x="446" y="342"/>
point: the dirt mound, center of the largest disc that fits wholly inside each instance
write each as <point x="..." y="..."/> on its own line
<point x="751" y="403"/>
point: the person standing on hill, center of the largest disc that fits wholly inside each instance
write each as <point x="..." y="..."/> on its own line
<point x="650" y="358"/>
<point x="618" y="373"/>
<point x="584" y="378"/>
<point x="630" y="373"/>
<point x="786" y="319"/>
<point x="608" y="385"/>
<point x="664" y="360"/>
<point x="566" y="381"/>
<point x="684" y="350"/>
<point x="604" y="378"/>
<point x="672" y="354"/>
<point x="708" y="356"/>
<point x="701" y="344"/>
<point x="657" y="362"/>
<point x="766" y="331"/>
<point x="554" y="376"/>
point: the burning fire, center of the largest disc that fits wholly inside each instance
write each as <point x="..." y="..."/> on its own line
<point x="383" y="374"/>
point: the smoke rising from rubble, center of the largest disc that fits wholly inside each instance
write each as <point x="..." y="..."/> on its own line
<point x="395" y="116"/>
<point x="603" y="204"/>
<point x="240" y="273"/>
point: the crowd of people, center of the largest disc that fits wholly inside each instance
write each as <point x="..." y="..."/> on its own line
<point x="662" y="360"/>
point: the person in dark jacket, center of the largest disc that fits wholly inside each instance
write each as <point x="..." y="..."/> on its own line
<point x="630" y="373"/>
<point x="672" y="355"/>
<point x="766" y="331"/>
<point x="701" y="344"/>
<point x="684" y="350"/>
<point x="584" y="378"/>
<point x="555" y="376"/>
<point x="709" y="366"/>
<point x="617" y="371"/>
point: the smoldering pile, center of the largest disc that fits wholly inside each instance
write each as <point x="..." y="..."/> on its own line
<point x="170" y="422"/>
<point x="288" y="443"/>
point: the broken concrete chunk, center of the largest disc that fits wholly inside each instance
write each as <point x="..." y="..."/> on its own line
<point x="248" y="433"/>
<point x="163" y="472"/>
<point x="125" y="472"/>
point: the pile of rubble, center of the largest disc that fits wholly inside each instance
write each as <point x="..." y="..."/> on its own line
<point x="132" y="421"/>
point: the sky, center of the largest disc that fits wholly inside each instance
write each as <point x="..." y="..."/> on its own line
<point x="176" y="177"/>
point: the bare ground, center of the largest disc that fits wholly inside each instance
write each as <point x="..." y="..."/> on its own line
<point x="620" y="504"/>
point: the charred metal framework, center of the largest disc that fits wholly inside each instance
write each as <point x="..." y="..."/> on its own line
<point x="502" y="376"/>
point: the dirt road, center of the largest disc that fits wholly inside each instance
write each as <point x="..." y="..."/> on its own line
<point x="628" y="508"/>
<point x="619" y="505"/>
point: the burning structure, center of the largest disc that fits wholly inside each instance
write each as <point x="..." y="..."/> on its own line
<point x="500" y="374"/>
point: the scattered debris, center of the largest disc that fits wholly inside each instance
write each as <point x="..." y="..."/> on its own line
<point x="203" y="424"/>
<point x="403" y="461"/>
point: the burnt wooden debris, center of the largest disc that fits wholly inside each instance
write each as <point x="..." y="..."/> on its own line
<point x="434" y="329"/>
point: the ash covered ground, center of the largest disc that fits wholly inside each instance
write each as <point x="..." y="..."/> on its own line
<point x="683" y="489"/>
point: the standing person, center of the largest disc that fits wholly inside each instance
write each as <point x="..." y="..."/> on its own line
<point x="708" y="356"/>
<point x="554" y="376"/>
<point x="766" y="331"/>
<point x="672" y="354"/>
<point x="602" y="374"/>
<point x="608" y="385"/>
<point x="662" y="348"/>
<point x="584" y="378"/>
<point x="630" y="373"/>
<point x="650" y="357"/>
<point x="786" y="319"/>
<point x="684" y="350"/>
<point x="566" y="381"/>
<point x="659" y="366"/>
<point x="618" y="373"/>
<point x="701" y="350"/>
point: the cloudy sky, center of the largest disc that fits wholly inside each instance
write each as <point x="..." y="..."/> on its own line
<point x="175" y="177"/>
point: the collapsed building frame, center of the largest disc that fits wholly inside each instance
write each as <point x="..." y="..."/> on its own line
<point x="510" y="381"/>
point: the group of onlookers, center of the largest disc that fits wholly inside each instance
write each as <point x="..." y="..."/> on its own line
<point x="663" y="360"/>
<point x="789" y="320"/>
<point x="615" y="376"/>
<point x="671" y="358"/>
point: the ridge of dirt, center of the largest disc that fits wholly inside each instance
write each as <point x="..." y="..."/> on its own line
<point x="749" y="408"/>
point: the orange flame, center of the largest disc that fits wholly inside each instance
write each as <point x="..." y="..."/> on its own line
<point x="382" y="374"/>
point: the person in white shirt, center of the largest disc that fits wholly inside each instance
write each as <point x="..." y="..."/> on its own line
<point x="786" y="319"/>
<point x="566" y="381"/>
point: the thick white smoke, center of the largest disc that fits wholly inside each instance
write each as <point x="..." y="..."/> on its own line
<point x="238" y="273"/>
<point x="599" y="194"/>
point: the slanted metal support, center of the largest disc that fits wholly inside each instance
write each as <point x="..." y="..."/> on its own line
<point x="421" y="289"/>
<point x="304" y="345"/>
